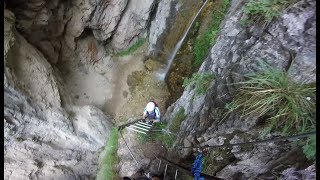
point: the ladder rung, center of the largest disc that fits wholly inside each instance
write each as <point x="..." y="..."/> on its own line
<point x="136" y="130"/>
<point x="165" y="171"/>
<point x="159" y="165"/>
<point x="141" y="125"/>
<point x="175" y="176"/>
<point x="133" y="126"/>
<point x="145" y="124"/>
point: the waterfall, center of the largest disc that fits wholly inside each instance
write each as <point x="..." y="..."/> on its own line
<point x="163" y="75"/>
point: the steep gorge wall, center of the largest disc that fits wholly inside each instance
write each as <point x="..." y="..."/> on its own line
<point x="287" y="43"/>
<point x="41" y="139"/>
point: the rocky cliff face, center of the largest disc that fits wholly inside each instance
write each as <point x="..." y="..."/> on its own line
<point x="43" y="140"/>
<point x="53" y="26"/>
<point x="287" y="43"/>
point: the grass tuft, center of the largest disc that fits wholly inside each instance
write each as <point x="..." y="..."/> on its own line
<point x="264" y="11"/>
<point x="132" y="48"/>
<point x="288" y="106"/>
<point x="110" y="159"/>
<point x="200" y="80"/>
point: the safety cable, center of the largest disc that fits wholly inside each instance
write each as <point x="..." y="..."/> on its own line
<point x="260" y="141"/>
<point x="129" y="149"/>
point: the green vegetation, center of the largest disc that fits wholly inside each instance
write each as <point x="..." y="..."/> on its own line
<point x="287" y="105"/>
<point x="110" y="159"/>
<point x="200" y="80"/>
<point x="177" y="120"/>
<point x="166" y="139"/>
<point x="206" y="40"/>
<point x="132" y="48"/>
<point x="309" y="149"/>
<point x="264" y="11"/>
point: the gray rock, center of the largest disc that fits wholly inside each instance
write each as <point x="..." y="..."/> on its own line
<point x="106" y="18"/>
<point x="133" y="23"/>
<point x="159" y="25"/>
<point x="41" y="139"/>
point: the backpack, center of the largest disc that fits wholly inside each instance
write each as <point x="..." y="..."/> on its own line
<point x="155" y="104"/>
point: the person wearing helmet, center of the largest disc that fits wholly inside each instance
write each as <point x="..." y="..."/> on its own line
<point x="151" y="112"/>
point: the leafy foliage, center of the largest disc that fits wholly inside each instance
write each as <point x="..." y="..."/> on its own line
<point x="205" y="41"/>
<point x="132" y="48"/>
<point x="309" y="149"/>
<point x="200" y="80"/>
<point x="288" y="105"/>
<point x="264" y="11"/>
<point x="110" y="159"/>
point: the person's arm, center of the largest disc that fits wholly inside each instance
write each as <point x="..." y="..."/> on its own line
<point x="144" y="114"/>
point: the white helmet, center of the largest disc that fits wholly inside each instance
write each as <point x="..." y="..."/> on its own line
<point x="150" y="106"/>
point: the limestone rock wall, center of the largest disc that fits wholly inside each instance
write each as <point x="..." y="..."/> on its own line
<point x="42" y="140"/>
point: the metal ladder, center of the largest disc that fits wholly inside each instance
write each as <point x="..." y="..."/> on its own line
<point x="165" y="170"/>
<point x="140" y="127"/>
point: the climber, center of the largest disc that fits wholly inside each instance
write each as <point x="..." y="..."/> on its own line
<point x="197" y="164"/>
<point x="151" y="113"/>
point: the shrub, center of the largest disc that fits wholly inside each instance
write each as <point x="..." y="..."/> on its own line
<point x="287" y="105"/>
<point x="132" y="48"/>
<point x="205" y="41"/>
<point x="110" y="159"/>
<point x="264" y="11"/>
<point x="200" y="80"/>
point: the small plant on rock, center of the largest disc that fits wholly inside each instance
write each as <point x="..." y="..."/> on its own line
<point x="200" y="80"/>
<point x="309" y="149"/>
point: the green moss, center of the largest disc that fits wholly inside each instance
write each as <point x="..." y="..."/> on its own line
<point x="132" y="48"/>
<point x="200" y="80"/>
<point x="107" y="170"/>
<point x="206" y="40"/>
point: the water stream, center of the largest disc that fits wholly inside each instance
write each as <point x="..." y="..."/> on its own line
<point x="162" y="75"/>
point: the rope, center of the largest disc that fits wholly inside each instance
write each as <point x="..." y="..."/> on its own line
<point x="260" y="141"/>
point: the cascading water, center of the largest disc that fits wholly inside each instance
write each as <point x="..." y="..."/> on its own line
<point x="163" y="75"/>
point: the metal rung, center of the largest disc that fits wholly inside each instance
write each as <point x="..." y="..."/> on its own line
<point x="136" y="130"/>
<point x="145" y="124"/>
<point x="133" y="126"/>
<point x="159" y="165"/>
<point x="141" y="125"/>
<point x="165" y="171"/>
<point x="175" y="176"/>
